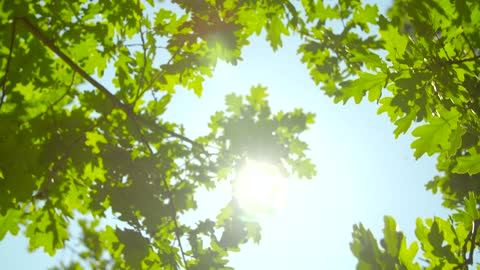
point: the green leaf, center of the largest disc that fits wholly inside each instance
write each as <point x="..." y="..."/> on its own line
<point x="468" y="164"/>
<point x="254" y="231"/>
<point x="456" y="140"/>
<point x="434" y="136"/>
<point x="48" y="230"/>
<point x="305" y="168"/>
<point x="386" y="107"/>
<point x="197" y="85"/>
<point x="407" y="256"/>
<point x="421" y="232"/>
<point x="4" y="14"/>
<point x="325" y="11"/>
<point x="160" y="106"/>
<point x="224" y="215"/>
<point x="9" y="223"/>
<point x="298" y="147"/>
<point x="234" y="103"/>
<point x="275" y="30"/>
<point x="364" y="246"/>
<point x="404" y="123"/>
<point x="366" y="15"/>
<point x="136" y="247"/>
<point x="110" y="240"/>
<point x="471" y="206"/>
<point x="93" y="138"/>
<point x="366" y="82"/>
<point x="392" y="238"/>
<point x="258" y="95"/>
<point x="395" y="43"/>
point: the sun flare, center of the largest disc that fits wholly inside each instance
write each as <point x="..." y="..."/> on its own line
<point x="260" y="189"/>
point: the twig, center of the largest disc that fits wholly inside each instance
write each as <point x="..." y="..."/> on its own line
<point x="476" y="223"/>
<point x="341" y="14"/>
<point x="9" y="59"/>
<point x="472" y="235"/>
<point x="137" y="44"/>
<point x="459" y="61"/>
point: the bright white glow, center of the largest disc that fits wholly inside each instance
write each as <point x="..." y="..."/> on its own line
<point x="260" y="189"/>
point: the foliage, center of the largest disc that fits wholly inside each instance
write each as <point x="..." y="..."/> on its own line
<point x="69" y="147"/>
<point x="422" y="66"/>
<point x="72" y="148"/>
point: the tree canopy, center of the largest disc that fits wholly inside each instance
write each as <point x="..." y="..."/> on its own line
<point x="70" y="146"/>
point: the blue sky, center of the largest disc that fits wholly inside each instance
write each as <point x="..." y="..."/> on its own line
<point x="364" y="173"/>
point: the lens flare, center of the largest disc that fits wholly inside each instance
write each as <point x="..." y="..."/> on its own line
<point x="260" y="190"/>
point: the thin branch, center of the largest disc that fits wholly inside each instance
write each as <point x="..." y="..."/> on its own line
<point x="459" y="61"/>
<point x="341" y="14"/>
<point x="142" y="78"/>
<point x="144" y="141"/>
<point x="465" y="246"/>
<point x="452" y="227"/>
<point x="469" y="43"/>
<point x="443" y="46"/>
<point x="9" y="59"/>
<point x="137" y="44"/>
<point x="65" y="58"/>
<point x="472" y="235"/>
<point x="476" y="223"/>
<point x="116" y="102"/>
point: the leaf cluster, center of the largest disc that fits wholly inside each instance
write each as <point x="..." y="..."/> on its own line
<point x="421" y="65"/>
<point x="73" y="148"/>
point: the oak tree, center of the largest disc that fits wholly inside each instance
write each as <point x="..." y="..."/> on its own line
<point x="71" y="146"/>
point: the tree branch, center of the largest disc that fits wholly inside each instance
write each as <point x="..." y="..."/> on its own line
<point x="116" y="102"/>
<point x="130" y="113"/>
<point x="142" y="77"/>
<point x="4" y="82"/>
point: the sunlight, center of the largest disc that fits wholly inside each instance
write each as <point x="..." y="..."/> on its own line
<point x="260" y="190"/>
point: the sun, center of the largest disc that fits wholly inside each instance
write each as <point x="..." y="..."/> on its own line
<point x="260" y="190"/>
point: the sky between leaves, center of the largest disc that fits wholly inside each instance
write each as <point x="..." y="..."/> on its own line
<point x="364" y="173"/>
